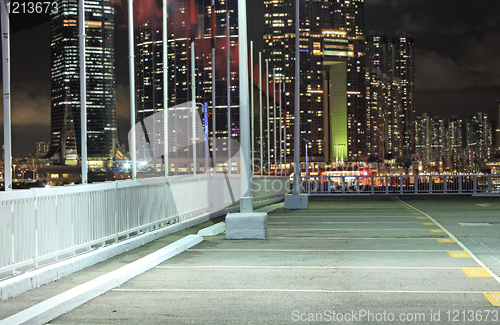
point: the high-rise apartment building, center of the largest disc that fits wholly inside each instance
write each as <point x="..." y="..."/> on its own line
<point x="437" y="140"/>
<point x="422" y="139"/>
<point x="455" y="142"/>
<point x="332" y="85"/>
<point x="65" y="84"/>
<point x="479" y="136"/>
<point x="497" y="125"/>
<point x="403" y="68"/>
<point x="391" y="64"/>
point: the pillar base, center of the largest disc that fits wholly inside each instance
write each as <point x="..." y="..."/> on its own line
<point x="295" y="202"/>
<point x="252" y="225"/>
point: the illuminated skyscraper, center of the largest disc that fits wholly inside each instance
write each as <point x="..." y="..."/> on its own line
<point x="479" y="136"/>
<point x="437" y="139"/>
<point x="332" y="85"/>
<point x="455" y="142"/>
<point x="391" y="63"/>
<point x="403" y="68"/>
<point x="101" y="98"/>
<point x="422" y="130"/>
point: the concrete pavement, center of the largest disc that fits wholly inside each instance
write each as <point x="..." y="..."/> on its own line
<point x="348" y="260"/>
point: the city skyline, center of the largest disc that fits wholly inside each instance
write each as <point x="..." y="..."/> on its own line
<point x="455" y="64"/>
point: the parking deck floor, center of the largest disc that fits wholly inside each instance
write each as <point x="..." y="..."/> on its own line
<point x="346" y="260"/>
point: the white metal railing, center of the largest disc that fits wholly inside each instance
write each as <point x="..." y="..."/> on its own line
<point x="401" y="184"/>
<point x="41" y="225"/>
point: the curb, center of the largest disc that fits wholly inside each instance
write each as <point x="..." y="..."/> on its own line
<point x="66" y="301"/>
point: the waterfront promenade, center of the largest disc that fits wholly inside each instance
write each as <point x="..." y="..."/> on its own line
<point x="349" y="260"/>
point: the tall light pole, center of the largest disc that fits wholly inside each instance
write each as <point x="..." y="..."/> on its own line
<point x="247" y="224"/>
<point x="268" y="126"/>
<point x="194" y="112"/>
<point x="296" y="200"/>
<point x="228" y="45"/>
<point x="165" y="89"/>
<point x="7" y="166"/>
<point x="132" y="87"/>
<point x="296" y="151"/>
<point x="274" y="118"/>
<point x="83" y="93"/>
<point x="252" y="114"/>
<point x="281" y="126"/>
<point x="284" y="131"/>
<point x="214" y="133"/>
<point x="260" y="116"/>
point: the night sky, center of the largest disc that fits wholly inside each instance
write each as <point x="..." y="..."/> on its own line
<point x="457" y="62"/>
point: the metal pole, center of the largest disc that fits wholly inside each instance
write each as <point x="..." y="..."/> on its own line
<point x="246" y="203"/>
<point x="268" y="126"/>
<point x="296" y="128"/>
<point x="274" y="119"/>
<point x="260" y="116"/>
<point x="228" y="33"/>
<point x="165" y="89"/>
<point x="284" y="133"/>
<point x="214" y="133"/>
<point x="193" y="104"/>
<point x="307" y="162"/>
<point x="205" y="124"/>
<point x="83" y="93"/>
<point x="281" y="138"/>
<point x="7" y="134"/>
<point x="252" y="115"/>
<point x="132" y="87"/>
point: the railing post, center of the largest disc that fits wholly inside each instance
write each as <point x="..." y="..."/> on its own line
<point x="474" y="186"/>
<point x="415" y="184"/>
<point x="329" y="184"/>
<point x="386" y="185"/>
<point x="343" y="184"/>
<point x="446" y="184"/>
<point x="460" y="183"/>
<point x="489" y="183"/>
<point x="373" y="185"/>
<point x="357" y="184"/>
<point x="430" y="183"/>
<point x="401" y="184"/>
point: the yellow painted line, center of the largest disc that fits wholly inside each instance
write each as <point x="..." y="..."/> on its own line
<point x="481" y="263"/>
<point x="435" y="231"/>
<point x="416" y="213"/>
<point x="422" y="218"/>
<point x="459" y="254"/>
<point x="476" y="273"/>
<point x="445" y="240"/>
<point x="493" y="297"/>
<point x="428" y="223"/>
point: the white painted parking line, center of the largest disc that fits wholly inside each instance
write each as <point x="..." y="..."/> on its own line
<point x="341" y="222"/>
<point x="300" y="291"/>
<point x="309" y="267"/>
<point x="314" y="250"/>
<point x="353" y="238"/>
<point x="277" y="216"/>
<point x="356" y="229"/>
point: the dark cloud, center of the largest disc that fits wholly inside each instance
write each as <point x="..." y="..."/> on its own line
<point x="457" y="70"/>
